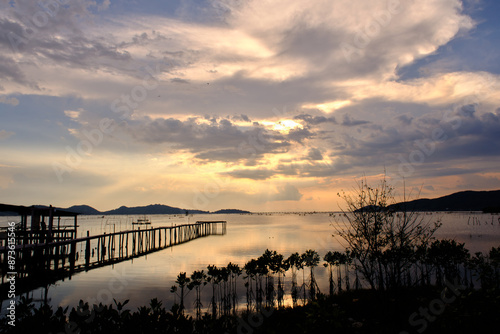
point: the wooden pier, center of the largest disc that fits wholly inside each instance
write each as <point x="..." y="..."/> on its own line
<point x="44" y="224"/>
<point x="63" y="258"/>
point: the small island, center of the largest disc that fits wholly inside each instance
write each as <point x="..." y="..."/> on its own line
<point x="231" y="211"/>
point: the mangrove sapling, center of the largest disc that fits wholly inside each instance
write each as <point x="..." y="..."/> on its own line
<point x="311" y="260"/>
<point x="265" y="261"/>
<point x="281" y="283"/>
<point x="198" y="279"/>
<point x="225" y="306"/>
<point x="182" y="281"/>
<point x="213" y="278"/>
<point x="303" y="287"/>
<point x="329" y="259"/>
<point x="422" y="276"/>
<point x="336" y="259"/>
<point x="357" y="283"/>
<point x="346" y="260"/>
<point x="278" y="266"/>
<point x="251" y="272"/>
<point x="235" y="272"/>
<point x="294" y="262"/>
<point x="261" y="270"/>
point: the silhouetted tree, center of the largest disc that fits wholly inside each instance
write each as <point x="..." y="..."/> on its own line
<point x="311" y="259"/>
<point x="198" y="279"/>
<point x="382" y="242"/>
<point x="182" y="281"/>
<point x="294" y="262"/>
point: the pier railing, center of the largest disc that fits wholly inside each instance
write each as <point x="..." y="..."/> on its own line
<point x="66" y="257"/>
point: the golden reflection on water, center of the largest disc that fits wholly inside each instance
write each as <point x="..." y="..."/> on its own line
<point x="248" y="236"/>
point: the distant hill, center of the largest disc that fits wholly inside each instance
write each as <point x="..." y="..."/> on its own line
<point x="154" y="209"/>
<point x="231" y="211"/>
<point x="83" y="210"/>
<point x="460" y="201"/>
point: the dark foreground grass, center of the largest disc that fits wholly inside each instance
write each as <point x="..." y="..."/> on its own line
<point x="449" y="309"/>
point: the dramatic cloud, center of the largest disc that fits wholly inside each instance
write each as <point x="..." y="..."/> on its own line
<point x="286" y="98"/>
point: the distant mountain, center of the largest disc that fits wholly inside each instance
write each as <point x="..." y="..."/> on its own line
<point x="154" y="209"/>
<point x="231" y="211"/>
<point x="461" y="201"/>
<point x="83" y="210"/>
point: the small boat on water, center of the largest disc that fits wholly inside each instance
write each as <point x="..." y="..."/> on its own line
<point x="142" y="221"/>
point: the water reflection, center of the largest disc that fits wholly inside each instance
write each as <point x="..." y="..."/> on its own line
<point x="248" y="236"/>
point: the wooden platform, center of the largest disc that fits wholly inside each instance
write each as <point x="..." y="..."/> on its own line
<point x="66" y="257"/>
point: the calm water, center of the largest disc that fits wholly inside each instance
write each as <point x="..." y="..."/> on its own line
<point x="248" y="236"/>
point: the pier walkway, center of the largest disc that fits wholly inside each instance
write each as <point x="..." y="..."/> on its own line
<point x="40" y="263"/>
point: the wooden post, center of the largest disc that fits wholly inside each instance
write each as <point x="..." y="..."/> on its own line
<point x="126" y="245"/>
<point x="103" y="245"/>
<point x="120" y="249"/>
<point x="87" y="251"/>
<point x="98" y="248"/>
<point x="133" y="243"/>
<point x="75" y="228"/>
<point x="72" y="257"/>
<point x="56" y="258"/>
<point x="51" y="223"/>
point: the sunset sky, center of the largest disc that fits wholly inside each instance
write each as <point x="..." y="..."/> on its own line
<point x="259" y="105"/>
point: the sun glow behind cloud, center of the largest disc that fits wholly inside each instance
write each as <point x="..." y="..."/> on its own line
<point x="328" y="107"/>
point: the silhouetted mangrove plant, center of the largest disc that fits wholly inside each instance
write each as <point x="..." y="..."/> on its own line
<point x="311" y="260"/>
<point x="294" y="262"/>
<point x="198" y="279"/>
<point x="439" y="262"/>
<point x="182" y="281"/>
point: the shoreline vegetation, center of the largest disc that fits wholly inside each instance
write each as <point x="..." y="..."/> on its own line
<point x="392" y="277"/>
<point x="458" y="295"/>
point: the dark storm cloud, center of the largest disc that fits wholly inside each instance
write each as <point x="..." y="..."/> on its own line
<point x="241" y="117"/>
<point x="82" y="52"/>
<point x="252" y="174"/>
<point x="220" y="140"/>
<point x="31" y="34"/>
<point x="179" y="81"/>
<point x="348" y="121"/>
<point x="315" y="120"/>
<point x="9" y="70"/>
<point x="299" y="135"/>
<point x="314" y="154"/>
<point x="462" y="133"/>
<point x="405" y="119"/>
